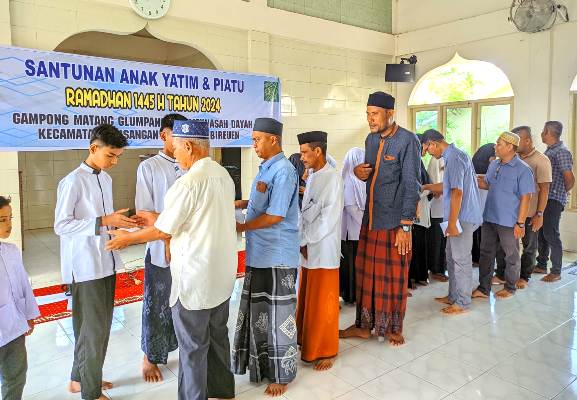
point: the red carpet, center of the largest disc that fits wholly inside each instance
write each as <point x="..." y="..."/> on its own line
<point x="53" y="303"/>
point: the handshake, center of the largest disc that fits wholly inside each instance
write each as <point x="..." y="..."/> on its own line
<point x="118" y="219"/>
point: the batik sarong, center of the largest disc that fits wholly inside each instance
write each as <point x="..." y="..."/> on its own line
<point x="265" y="339"/>
<point x="158" y="337"/>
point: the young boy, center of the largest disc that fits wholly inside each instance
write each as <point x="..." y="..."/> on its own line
<point x="18" y="309"/>
<point x="84" y="215"/>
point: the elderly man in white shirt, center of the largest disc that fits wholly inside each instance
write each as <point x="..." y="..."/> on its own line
<point x="18" y="309"/>
<point x="154" y="177"/>
<point x="199" y="218"/>
<point x="84" y="214"/>
<point x="320" y="240"/>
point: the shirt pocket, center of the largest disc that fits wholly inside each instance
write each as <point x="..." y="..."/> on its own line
<point x="8" y="319"/>
<point x="260" y="200"/>
<point x="389" y="169"/>
<point x="509" y="184"/>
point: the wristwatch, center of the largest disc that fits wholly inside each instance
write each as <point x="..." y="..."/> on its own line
<point x="539" y="213"/>
<point x="521" y="225"/>
<point x="407" y="228"/>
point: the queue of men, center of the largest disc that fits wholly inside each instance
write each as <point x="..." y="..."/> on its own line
<point x="290" y="299"/>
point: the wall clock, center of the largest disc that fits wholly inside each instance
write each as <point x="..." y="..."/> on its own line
<point x="150" y="9"/>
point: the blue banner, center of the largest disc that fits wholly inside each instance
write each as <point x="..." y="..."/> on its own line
<point x="51" y="101"/>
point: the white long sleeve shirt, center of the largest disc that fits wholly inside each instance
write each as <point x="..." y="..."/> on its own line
<point x="17" y="302"/>
<point x="153" y="179"/>
<point x="320" y="223"/>
<point x="83" y="197"/>
<point x="199" y="214"/>
<point x="436" y="171"/>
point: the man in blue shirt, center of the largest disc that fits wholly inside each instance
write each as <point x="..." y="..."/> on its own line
<point x="462" y="214"/>
<point x="510" y="183"/>
<point x="266" y="331"/>
<point x="563" y="181"/>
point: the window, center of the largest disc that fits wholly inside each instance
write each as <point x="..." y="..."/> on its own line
<point x="469" y="101"/>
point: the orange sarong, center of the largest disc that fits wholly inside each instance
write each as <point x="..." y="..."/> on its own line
<point x="318" y="314"/>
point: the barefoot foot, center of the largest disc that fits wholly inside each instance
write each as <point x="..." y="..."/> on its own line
<point x="323" y="365"/>
<point x="477" y="294"/>
<point x="521" y="284"/>
<point x="551" y="278"/>
<point x="275" y="389"/>
<point x="353" y="331"/>
<point x="503" y="294"/>
<point x="396" y="339"/>
<point x="74" y="387"/>
<point x="497" y="281"/>
<point x="443" y="300"/>
<point x="454" y="309"/>
<point x="150" y="372"/>
<point x="440" y="277"/>
<point x="539" y="270"/>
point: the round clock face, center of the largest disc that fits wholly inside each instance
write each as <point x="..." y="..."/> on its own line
<point x="150" y="9"/>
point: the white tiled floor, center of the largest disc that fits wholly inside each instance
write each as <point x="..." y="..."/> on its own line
<point x="521" y="348"/>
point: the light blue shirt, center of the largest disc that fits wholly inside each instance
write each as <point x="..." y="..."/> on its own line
<point x="507" y="184"/>
<point x="460" y="174"/>
<point x="17" y="302"/>
<point x="277" y="245"/>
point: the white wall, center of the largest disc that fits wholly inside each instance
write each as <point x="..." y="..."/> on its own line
<point x="541" y="66"/>
<point x="327" y="69"/>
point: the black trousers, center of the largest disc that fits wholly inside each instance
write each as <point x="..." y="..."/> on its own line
<point x="92" y="308"/>
<point x="436" y="244"/>
<point x="13" y="367"/>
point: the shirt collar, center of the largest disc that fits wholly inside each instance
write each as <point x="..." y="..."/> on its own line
<point x="529" y="155"/>
<point x="326" y="167"/>
<point x="268" y="163"/>
<point x="88" y="168"/>
<point x="200" y="163"/>
<point x="553" y="146"/>
<point x="513" y="162"/>
<point x="166" y="157"/>
<point x="448" y="151"/>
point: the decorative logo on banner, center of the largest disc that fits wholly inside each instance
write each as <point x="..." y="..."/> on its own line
<point x="51" y="101"/>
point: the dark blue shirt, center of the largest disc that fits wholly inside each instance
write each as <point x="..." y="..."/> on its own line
<point x="393" y="186"/>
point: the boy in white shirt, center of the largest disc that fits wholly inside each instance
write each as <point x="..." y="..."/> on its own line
<point x="18" y="309"/>
<point x="84" y="215"/>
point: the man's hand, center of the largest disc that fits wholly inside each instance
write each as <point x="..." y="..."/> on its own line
<point x="363" y="171"/>
<point x="242" y="204"/>
<point x="146" y="218"/>
<point x="452" y="230"/>
<point x="302" y="190"/>
<point x="518" y="231"/>
<point x="240" y="227"/>
<point x="403" y="241"/>
<point x="31" y="326"/>
<point x="304" y="252"/>
<point x="117" y="220"/>
<point x="536" y="223"/>
<point x="121" y="240"/>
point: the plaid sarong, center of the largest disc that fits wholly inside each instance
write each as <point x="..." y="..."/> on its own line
<point x="265" y="338"/>
<point x="382" y="277"/>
